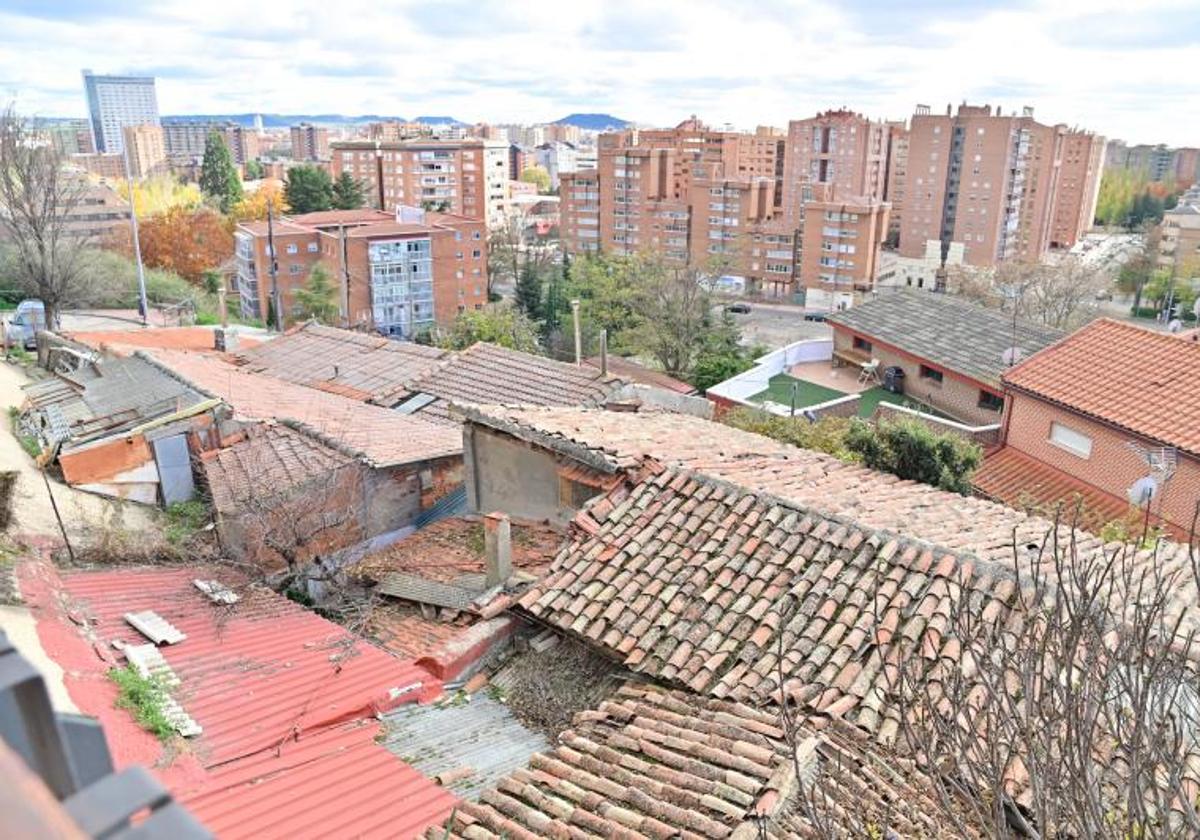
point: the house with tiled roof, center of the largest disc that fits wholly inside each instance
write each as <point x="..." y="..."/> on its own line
<point x="1108" y="419"/>
<point x="654" y="762"/>
<point x="952" y="352"/>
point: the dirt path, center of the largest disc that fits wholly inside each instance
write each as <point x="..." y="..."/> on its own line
<point x="84" y="514"/>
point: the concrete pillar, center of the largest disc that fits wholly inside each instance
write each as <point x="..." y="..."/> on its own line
<point x="497" y="542"/>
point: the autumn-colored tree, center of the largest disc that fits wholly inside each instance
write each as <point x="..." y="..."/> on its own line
<point x="188" y="242"/>
<point x="253" y="205"/>
<point x="160" y="193"/>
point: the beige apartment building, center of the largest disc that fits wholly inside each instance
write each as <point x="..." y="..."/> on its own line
<point x="897" y="176"/>
<point x="1081" y="168"/>
<point x="696" y="196"/>
<point x="309" y="142"/>
<point x="1179" y="237"/>
<point x="838" y="257"/>
<point x="448" y="176"/>
<point x="146" y="150"/>
<point x="833" y="156"/>
<point x="995" y="183"/>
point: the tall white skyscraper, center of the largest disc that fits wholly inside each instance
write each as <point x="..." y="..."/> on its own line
<point x="115" y="102"/>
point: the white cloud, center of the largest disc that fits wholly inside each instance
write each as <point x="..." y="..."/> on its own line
<point x="1095" y="63"/>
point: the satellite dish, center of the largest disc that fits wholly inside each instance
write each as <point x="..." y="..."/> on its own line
<point x="1143" y="491"/>
<point x="1175" y="326"/>
<point x="1012" y="355"/>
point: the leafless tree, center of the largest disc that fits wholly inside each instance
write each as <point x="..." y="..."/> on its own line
<point x="676" y="307"/>
<point x="1061" y="294"/>
<point x="280" y="514"/>
<point x="1076" y="713"/>
<point x="37" y="197"/>
<point x="511" y="250"/>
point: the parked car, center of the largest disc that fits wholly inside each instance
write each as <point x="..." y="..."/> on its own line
<point x="814" y="315"/>
<point x="738" y="308"/>
<point x="22" y="327"/>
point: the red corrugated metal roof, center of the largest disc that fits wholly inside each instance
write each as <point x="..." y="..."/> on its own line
<point x="287" y="702"/>
<point x="337" y="783"/>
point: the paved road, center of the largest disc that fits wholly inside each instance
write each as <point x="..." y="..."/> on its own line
<point x="776" y="325"/>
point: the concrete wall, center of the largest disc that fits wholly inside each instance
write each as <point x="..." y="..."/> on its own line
<point x="661" y="398"/>
<point x="738" y="389"/>
<point x="508" y="475"/>
<point x="1112" y="466"/>
<point x="983" y="435"/>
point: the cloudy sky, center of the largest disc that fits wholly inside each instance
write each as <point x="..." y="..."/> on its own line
<point x="1125" y="69"/>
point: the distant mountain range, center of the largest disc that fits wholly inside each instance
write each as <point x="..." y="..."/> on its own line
<point x="593" y="122"/>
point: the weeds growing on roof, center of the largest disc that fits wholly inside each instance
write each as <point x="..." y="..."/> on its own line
<point x="184" y="519"/>
<point x="144" y="698"/>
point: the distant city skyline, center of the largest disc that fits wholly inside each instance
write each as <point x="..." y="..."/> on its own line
<point x="1100" y="65"/>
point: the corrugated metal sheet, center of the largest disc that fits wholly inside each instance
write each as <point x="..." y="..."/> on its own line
<point x="275" y="687"/>
<point x="480" y="733"/>
<point x="253" y="673"/>
<point x="338" y="783"/>
<point x="426" y="591"/>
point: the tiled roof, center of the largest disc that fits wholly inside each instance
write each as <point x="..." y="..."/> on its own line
<point x="1014" y="478"/>
<point x="382" y="436"/>
<point x="611" y="441"/>
<point x="276" y="689"/>
<point x="631" y="371"/>
<point x="272" y="459"/>
<point x="694" y="581"/>
<point x="451" y="548"/>
<point x="485" y="374"/>
<point x="663" y="764"/>
<point x="1143" y="381"/>
<point x="356" y="365"/>
<point x="960" y="336"/>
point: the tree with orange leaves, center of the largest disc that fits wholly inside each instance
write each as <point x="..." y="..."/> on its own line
<point x="253" y="205"/>
<point x="188" y="242"/>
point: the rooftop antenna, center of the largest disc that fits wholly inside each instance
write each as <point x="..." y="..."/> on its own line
<point x="1161" y="462"/>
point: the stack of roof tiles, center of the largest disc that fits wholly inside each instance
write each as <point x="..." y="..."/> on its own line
<point x="706" y="584"/>
<point x="664" y="764"/>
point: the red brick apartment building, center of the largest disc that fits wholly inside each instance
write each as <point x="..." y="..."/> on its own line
<point x="446" y="176"/>
<point x="1007" y="187"/>
<point x="398" y="274"/>
<point x="1112" y="409"/>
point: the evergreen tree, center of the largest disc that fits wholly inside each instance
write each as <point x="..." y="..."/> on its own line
<point x="318" y="298"/>
<point x="347" y="193"/>
<point x="528" y="295"/>
<point x="254" y="170"/>
<point x="219" y="179"/>
<point x="308" y="189"/>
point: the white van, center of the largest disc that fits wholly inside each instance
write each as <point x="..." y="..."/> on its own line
<point x="22" y="327"/>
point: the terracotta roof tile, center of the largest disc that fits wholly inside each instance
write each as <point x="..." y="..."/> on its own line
<point x="274" y="457"/>
<point x="486" y="373"/>
<point x="1023" y="482"/>
<point x="1138" y="379"/>
<point x="353" y="364"/>
<point x="665" y="764"/>
<point x="380" y="435"/>
<point x="453" y="547"/>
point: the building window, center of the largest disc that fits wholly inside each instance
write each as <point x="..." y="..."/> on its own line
<point x="291" y="249"/>
<point x="931" y="374"/>
<point x="862" y="344"/>
<point x="990" y="401"/>
<point x="1067" y="438"/>
<point x="313" y="247"/>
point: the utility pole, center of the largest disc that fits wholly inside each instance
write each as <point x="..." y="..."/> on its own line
<point x="143" y="305"/>
<point x="273" y="267"/>
<point x="578" y="337"/>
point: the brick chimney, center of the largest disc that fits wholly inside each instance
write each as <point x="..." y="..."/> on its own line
<point x="497" y="542"/>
